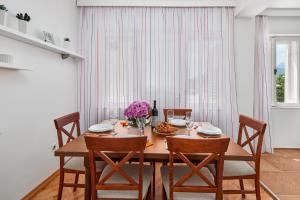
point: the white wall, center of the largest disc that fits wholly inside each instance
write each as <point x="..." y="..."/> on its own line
<point x="285" y="123"/>
<point x="30" y="100"/>
<point x="244" y="60"/>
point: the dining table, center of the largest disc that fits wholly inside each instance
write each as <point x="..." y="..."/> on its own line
<point x="155" y="150"/>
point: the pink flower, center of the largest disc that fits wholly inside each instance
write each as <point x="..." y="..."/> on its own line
<point x="137" y="109"/>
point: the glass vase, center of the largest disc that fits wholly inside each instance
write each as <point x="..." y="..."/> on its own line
<point x="141" y="123"/>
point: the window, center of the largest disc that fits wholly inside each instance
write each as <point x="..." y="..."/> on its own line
<point x="285" y="62"/>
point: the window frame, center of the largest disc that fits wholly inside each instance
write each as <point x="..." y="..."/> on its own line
<point x="274" y="39"/>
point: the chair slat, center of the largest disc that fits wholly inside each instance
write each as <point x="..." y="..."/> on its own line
<point x="190" y="145"/>
<point x="195" y="169"/>
<point x="60" y="124"/>
<point x="116" y="144"/>
<point x="117" y="167"/>
<point x="259" y="128"/>
<point x="192" y="188"/>
<point x="249" y="141"/>
<point x="177" y="112"/>
<point x="65" y="120"/>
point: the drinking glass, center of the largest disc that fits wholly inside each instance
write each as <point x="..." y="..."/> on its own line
<point x="188" y="122"/>
<point x="188" y="115"/>
<point x="170" y="115"/>
<point x="141" y="123"/>
<point x="113" y="118"/>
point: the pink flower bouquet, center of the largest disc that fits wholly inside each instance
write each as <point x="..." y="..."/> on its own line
<point x="137" y="110"/>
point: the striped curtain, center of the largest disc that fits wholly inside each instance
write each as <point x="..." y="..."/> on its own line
<point x="181" y="57"/>
<point x="262" y="78"/>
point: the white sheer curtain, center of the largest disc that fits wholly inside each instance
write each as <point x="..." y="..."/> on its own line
<point x="181" y="57"/>
<point x="262" y="78"/>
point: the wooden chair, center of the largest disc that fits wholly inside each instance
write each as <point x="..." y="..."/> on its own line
<point x="239" y="170"/>
<point x="119" y="180"/>
<point x="177" y="112"/>
<point x="74" y="165"/>
<point x="192" y="181"/>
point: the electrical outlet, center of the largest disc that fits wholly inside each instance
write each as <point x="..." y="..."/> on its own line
<point x="53" y="146"/>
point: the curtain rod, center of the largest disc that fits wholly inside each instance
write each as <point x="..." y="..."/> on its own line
<point x="157" y="3"/>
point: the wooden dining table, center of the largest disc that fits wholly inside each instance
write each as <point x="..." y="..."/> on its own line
<point x="155" y="151"/>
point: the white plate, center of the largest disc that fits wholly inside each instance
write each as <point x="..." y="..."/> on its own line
<point x="177" y="122"/>
<point x="98" y="128"/>
<point x="209" y="130"/>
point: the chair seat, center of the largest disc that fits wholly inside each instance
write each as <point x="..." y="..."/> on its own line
<point x="195" y="180"/>
<point x="131" y="170"/>
<point x="234" y="168"/>
<point x="77" y="163"/>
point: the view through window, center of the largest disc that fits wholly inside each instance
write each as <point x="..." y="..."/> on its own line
<point x="286" y="71"/>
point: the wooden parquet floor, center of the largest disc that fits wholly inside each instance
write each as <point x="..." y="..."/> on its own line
<point x="50" y="191"/>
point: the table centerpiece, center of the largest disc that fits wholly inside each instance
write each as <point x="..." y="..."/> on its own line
<point x="137" y="114"/>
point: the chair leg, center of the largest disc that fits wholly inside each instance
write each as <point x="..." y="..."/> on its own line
<point x="76" y="181"/>
<point x="164" y="195"/>
<point x="257" y="189"/>
<point x="61" y="184"/>
<point x="242" y="187"/>
<point x="153" y="178"/>
<point x="149" y="194"/>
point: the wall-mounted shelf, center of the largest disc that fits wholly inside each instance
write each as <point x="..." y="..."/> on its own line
<point x="14" y="67"/>
<point x="16" y="35"/>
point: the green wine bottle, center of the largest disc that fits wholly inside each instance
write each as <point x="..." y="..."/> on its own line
<point x="154" y="115"/>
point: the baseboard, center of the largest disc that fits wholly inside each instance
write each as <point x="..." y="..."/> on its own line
<point x="42" y="185"/>
<point x="287" y="148"/>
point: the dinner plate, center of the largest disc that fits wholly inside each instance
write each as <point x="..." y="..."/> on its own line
<point x="209" y="130"/>
<point x="99" y="128"/>
<point x="177" y="122"/>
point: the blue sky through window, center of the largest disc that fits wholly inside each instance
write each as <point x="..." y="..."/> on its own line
<point x="280" y="58"/>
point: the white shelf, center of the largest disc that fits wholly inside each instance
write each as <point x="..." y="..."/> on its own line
<point x="16" y="35"/>
<point x="14" y="67"/>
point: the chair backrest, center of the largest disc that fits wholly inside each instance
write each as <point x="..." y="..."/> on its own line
<point x="62" y="122"/>
<point x="258" y="135"/>
<point x="97" y="147"/>
<point x="215" y="149"/>
<point x="177" y="112"/>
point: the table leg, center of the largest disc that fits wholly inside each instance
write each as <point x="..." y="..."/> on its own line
<point x="87" y="192"/>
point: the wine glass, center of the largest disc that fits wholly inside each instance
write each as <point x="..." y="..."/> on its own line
<point x="188" y="122"/>
<point x="170" y="115"/>
<point x="113" y="118"/>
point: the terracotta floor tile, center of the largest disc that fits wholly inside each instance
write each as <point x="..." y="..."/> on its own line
<point x="291" y="163"/>
<point x="282" y="183"/>
<point x="287" y="152"/>
<point x="266" y="166"/>
<point x="289" y="197"/>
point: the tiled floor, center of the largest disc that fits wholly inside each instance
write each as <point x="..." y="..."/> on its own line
<point x="281" y="173"/>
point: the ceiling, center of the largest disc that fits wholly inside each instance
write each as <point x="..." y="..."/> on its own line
<point x="251" y="8"/>
<point x="244" y="8"/>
